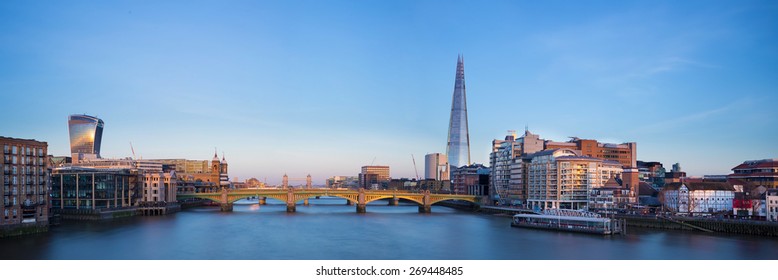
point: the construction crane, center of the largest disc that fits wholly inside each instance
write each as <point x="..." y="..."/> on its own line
<point x="133" y="150"/>
<point x="414" y="167"/>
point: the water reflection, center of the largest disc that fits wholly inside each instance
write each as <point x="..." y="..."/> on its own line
<point x="330" y="229"/>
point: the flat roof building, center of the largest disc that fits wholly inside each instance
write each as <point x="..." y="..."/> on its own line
<point x="25" y="185"/>
<point x="759" y="172"/>
<point x="374" y="177"/>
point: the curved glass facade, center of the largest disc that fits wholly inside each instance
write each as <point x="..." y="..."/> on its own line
<point x="86" y="133"/>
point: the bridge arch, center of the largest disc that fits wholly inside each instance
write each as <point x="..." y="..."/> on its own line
<point x="408" y="198"/>
<point x="233" y="198"/>
<point x="472" y="201"/>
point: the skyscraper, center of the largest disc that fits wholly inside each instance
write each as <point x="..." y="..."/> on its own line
<point x="86" y="133"/>
<point x="458" y="148"/>
<point x="436" y="167"/>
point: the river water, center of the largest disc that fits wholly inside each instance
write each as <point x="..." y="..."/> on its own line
<point x="328" y="229"/>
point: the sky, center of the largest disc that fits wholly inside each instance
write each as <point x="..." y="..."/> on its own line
<point x="325" y="87"/>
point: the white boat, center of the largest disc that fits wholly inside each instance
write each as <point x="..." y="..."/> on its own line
<point x="568" y="220"/>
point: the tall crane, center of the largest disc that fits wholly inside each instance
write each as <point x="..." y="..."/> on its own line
<point x="414" y="167"/>
<point x="133" y="151"/>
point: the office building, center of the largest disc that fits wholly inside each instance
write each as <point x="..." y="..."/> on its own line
<point x="88" y="188"/>
<point x="338" y="182"/>
<point x="675" y="175"/>
<point x="458" y="147"/>
<point x="374" y="177"/>
<point x="470" y="180"/>
<point x="652" y="173"/>
<point x="25" y="186"/>
<point x="436" y="167"/>
<point x="206" y="175"/>
<point x="758" y="172"/>
<point x="86" y="134"/>
<point x="159" y="187"/>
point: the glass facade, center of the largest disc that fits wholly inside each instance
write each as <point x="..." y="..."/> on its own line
<point x="458" y="148"/>
<point x="86" y="133"/>
<point x="92" y="189"/>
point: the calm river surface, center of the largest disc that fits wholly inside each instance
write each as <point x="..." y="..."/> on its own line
<point x="328" y="229"/>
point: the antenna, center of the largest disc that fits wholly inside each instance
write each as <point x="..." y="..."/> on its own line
<point x="414" y="167"/>
<point x="133" y="150"/>
<point x="372" y="162"/>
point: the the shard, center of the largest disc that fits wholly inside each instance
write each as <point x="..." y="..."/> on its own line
<point x="458" y="148"/>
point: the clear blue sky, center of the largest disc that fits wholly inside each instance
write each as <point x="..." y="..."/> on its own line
<point x="323" y="87"/>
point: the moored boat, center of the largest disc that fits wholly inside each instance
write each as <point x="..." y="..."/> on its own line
<point x="568" y="220"/>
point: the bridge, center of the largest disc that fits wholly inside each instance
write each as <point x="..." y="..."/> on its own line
<point x="360" y="197"/>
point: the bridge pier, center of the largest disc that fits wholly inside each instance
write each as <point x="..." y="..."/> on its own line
<point x="361" y="208"/>
<point x="263" y="200"/>
<point x="305" y="202"/>
<point x="394" y="201"/>
<point x="226" y="207"/>
<point x="290" y="202"/>
<point x="425" y="209"/>
<point x="349" y="203"/>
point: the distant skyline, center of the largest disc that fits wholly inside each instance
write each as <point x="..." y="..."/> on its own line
<point x="325" y="87"/>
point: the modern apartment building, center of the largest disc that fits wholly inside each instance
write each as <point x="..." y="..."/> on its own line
<point x="508" y="179"/>
<point x="563" y="178"/>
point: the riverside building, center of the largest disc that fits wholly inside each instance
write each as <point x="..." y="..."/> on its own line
<point x="698" y="198"/>
<point x="509" y="157"/>
<point x="563" y="178"/>
<point x="471" y="180"/>
<point x="208" y="176"/>
<point x="758" y="172"/>
<point x="25" y="186"/>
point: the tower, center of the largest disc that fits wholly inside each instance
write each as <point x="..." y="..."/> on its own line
<point x="215" y="168"/>
<point x="224" y="179"/>
<point x="86" y="133"/>
<point x="458" y="147"/>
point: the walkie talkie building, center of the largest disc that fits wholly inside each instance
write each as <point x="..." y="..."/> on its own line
<point x="458" y="148"/>
<point x="86" y="133"/>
